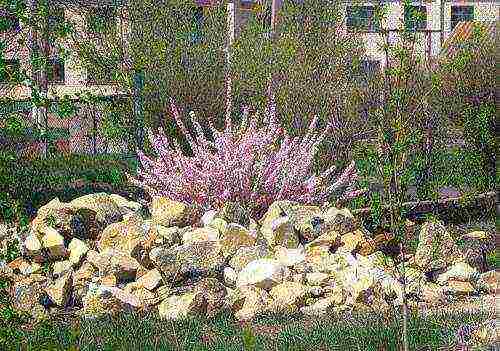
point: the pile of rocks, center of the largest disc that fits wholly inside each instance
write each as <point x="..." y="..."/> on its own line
<point x="98" y="254"/>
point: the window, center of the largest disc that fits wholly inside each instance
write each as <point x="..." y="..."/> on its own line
<point x="415" y="17"/>
<point x="101" y="20"/>
<point x="9" y="70"/>
<point x="55" y="71"/>
<point x="461" y="13"/>
<point x="362" y="18"/>
<point x="8" y="21"/>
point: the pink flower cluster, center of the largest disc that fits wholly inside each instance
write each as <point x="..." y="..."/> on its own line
<point x="246" y="165"/>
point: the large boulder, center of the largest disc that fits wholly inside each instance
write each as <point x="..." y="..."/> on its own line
<point x="185" y="261"/>
<point x="101" y="300"/>
<point x="170" y="213"/>
<point x="123" y="236"/>
<point x="246" y="254"/>
<point x="233" y="212"/>
<point x="263" y="273"/>
<point x="59" y="291"/>
<point x="436" y="248"/>
<point x="280" y="231"/>
<point x="288" y="297"/>
<point x="114" y="262"/>
<point x="211" y="294"/>
<point x="235" y="236"/>
<point x="249" y="301"/>
<point x="200" y="235"/>
<point x="459" y="271"/>
<point x="126" y="206"/>
<point x="475" y="246"/>
<point x="178" y="307"/>
<point x="100" y="206"/>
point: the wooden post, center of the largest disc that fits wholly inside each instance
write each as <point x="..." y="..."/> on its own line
<point x="230" y="41"/>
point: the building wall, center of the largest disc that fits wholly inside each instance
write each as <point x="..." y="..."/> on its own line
<point x="483" y="11"/>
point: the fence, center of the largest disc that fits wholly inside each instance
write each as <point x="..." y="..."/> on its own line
<point x="93" y="129"/>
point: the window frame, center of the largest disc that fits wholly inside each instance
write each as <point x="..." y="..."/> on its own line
<point x="370" y="24"/>
<point x="453" y="21"/>
<point x="421" y="25"/>
<point x="53" y="62"/>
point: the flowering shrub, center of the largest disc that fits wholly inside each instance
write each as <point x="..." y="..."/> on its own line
<point x="247" y="165"/>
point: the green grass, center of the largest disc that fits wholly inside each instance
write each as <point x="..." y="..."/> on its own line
<point x="133" y="331"/>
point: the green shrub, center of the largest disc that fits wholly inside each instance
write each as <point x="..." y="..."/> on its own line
<point x="27" y="184"/>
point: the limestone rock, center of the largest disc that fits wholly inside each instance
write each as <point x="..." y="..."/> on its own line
<point x="459" y="271"/>
<point x="319" y="308"/>
<point x="433" y="294"/>
<point x="125" y="206"/>
<point x="235" y="236"/>
<point x="436" y="248"/>
<point x="252" y="301"/>
<point x="280" y="232"/>
<point x="33" y="246"/>
<point x="115" y="262"/>
<point x="123" y="236"/>
<point x="230" y="276"/>
<point x="207" y="217"/>
<point x="263" y="273"/>
<point x="199" y="235"/>
<point x="170" y="235"/>
<point x="245" y="255"/>
<point x="288" y="296"/>
<point x="317" y="278"/>
<point x="233" y="212"/>
<point x="177" y="307"/>
<point x="150" y="280"/>
<point x="198" y="258"/>
<point x="25" y="294"/>
<point x="59" y="290"/>
<point x="100" y="300"/>
<point x="54" y="243"/>
<point x="289" y="257"/>
<point x="211" y="295"/>
<point x="169" y="213"/>
<point x="61" y="267"/>
<point x="489" y="281"/>
<point x="100" y="206"/>
<point x="77" y="249"/>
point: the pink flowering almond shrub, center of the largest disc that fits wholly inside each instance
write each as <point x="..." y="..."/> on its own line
<point x="247" y="165"/>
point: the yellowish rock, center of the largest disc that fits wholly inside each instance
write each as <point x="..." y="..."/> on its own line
<point x="200" y="234"/>
<point x="317" y="278"/>
<point x="169" y="213"/>
<point x="177" y="307"/>
<point x="235" y="236"/>
<point x="77" y="249"/>
<point x="59" y="290"/>
<point x="54" y="243"/>
<point x="61" y="267"/>
<point x="288" y="296"/>
<point x="352" y="240"/>
<point x="460" y="287"/>
<point x="150" y="280"/>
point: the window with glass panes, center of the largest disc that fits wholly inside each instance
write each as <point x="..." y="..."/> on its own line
<point x="362" y="18"/>
<point x="55" y="71"/>
<point x="461" y="13"/>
